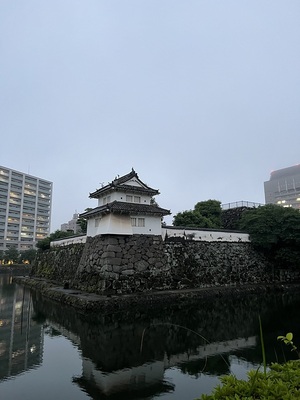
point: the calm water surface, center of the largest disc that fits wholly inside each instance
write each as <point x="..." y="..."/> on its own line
<point x="48" y="351"/>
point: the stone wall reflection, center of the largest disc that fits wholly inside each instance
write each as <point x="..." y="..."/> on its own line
<point x="132" y="350"/>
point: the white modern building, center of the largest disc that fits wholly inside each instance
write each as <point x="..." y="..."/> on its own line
<point x="125" y="207"/>
<point x="283" y="188"/>
<point x="25" y="209"/>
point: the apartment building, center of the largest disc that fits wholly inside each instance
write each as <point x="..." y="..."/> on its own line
<point x="25" y="209"/>
<point x="283" y="188"/>
<point x="72" y="225"/>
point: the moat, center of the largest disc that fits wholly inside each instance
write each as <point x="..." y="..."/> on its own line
<point x="48" y="350"/>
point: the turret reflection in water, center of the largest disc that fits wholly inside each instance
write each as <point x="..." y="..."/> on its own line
<point x="129" y="354"/>
<point x="21" y="339"/>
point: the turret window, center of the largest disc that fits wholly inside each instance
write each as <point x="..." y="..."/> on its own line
<point x="97" y="222"/>
<point x="106" y="199"/>
<point x="133" y="199"/>
<point x="139" y="222"/>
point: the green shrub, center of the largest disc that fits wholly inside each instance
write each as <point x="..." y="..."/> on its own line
<point x="281" y="382"/>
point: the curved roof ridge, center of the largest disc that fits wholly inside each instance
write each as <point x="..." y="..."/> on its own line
<point x="120" y="181"/>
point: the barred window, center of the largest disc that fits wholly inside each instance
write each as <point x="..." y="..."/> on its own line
<point x="133" y="222"/>
<point x="141" y="222"/>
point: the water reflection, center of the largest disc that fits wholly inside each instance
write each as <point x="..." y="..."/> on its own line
<point x="143" y="355"/>
<point x="128" y="354"/>
<point x="21" y="338"/>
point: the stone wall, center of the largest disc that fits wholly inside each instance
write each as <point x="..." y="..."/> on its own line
<point x="135" y="264"/>
<point x="114" y="264"/>
<point x="201" y="264"/>
<point x="123" y="264"/>
<point x="58" y="264"/>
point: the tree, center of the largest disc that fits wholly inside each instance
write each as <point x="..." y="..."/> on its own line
<point x="11" y="255"/>
<point x="28" y="255"/>
<point x="206" y="214"/>
<point x="210" y="209"/>
<point x="274" y="230"/>
<point x="82" y="222"/>
<point x="45" y="243"/>
<point x="191" y="219"/>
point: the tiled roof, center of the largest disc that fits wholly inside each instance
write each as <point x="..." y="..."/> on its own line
<point x="120" y="207"/>
<point x="125" y="178"/>
<point x="118" y="184"/>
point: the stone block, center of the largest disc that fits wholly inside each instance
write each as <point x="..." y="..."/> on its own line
<point x="117" y="268"/>
<point x="141" y="266"/>
<point x="108" y="254"/>
<point x="114" y="248"/>
<point x="111" y="275"/>
<point x="111" y="240"/>
<point x="115" y="261"/>
<point x="127" y="272"/>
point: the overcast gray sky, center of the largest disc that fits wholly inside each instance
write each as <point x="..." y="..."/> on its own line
<point x="200" y="97"/>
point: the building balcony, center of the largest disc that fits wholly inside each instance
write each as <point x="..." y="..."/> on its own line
<point x="14" y="214"/>
<point x="11" y="239"/>
<point x="29" y="193"/>
<point x="27" y="230"/>
<point x="41" y="236"/>
<point x="14" y="207"/>
<point x="15" y="196"/>
<point x="43" y="212"/>
<point x="4" y="178"/>
<point x="16" y="190"/>
<point x="12" y="235"/>
<point x="27" y="222"/>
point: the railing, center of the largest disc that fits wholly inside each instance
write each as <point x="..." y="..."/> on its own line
<point x="237" y="204"/>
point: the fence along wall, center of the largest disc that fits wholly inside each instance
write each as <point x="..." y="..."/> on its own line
<point x="204" y="235"/>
